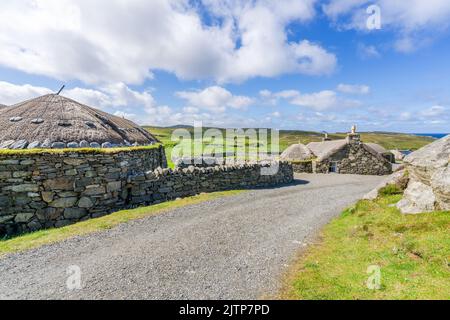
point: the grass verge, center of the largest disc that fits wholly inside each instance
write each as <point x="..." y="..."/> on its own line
<point x="45" y="237"/>
<point x="79" y="150"/>
<point x="412" y="252"/>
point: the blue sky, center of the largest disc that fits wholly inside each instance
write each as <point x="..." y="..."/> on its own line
<point x="292" y="64"/>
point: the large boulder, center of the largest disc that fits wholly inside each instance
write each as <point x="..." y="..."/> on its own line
<point x="429" y="186"/>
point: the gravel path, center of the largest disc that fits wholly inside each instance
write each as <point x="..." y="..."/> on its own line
<point x="229" y="248"/>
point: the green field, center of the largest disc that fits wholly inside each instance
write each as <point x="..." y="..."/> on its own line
<point x="388" y="140"/>
<point x="411" y="252"/>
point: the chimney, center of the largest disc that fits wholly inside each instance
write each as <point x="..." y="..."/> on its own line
<point x="353" y="136"/>
<point x="326" y="138"/>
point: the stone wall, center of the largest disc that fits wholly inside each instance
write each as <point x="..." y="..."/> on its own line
<point x="53" y="190"/>
<point x="355" y="158"/>
<point x="302" y="166"/>
<point x="41" y="190"/>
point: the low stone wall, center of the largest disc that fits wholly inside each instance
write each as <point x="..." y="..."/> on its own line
<point x="51" y="189"/>
<point x="302" y="166"/>
<point x="54" y="190"/>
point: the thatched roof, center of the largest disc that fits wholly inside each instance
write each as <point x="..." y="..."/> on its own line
<point x="325" y="149"/>
<point x="377" y="148"/>
<point x="297" y="152"/>
<point x="55" y="119"/>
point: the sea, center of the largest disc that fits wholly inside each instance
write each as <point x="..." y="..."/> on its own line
<point x="433" y="135"/>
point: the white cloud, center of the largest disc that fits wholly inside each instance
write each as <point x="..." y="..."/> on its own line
<point x="116" y="98"/>
<point x="215" y="98"/>
<point x="320" y="101"/>
<point x="433" y="112"/>
<point x="110" y="41"/>
<point x="353" y="89"/>
<point x="368" y="51"/>
<point x="12" y="93"/>
<point x="416" y="22"/>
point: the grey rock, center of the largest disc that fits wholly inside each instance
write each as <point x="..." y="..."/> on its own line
<point x="95" y="145"/>
<point x="418" y="198"/>
<point x="46" y="144"/>
<point x="64" y="202"/>
<point x="84" y="144"/>
<point x="73" y="145"/>
<point x="16" y="119"/>
<point x="25" y="188"/>
<point x="74" y="213"/>
<point x="19" y="145"/>
<point x="24" y="217"/>
<point x="107" y="145"/>
<point x="34" y="145"/>
<point x="58" y="145"/>
<point x="86" y="203"/>
<point x="7" y="144"/>
<point x="37" y="121"/>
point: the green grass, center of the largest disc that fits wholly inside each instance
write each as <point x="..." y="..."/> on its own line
<point x="388" y="140"/>
<point x="413" y="252"/>
<point x="45" y="237"/>
<point x="79" y="150"/>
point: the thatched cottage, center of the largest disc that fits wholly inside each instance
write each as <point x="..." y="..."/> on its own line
<point x="54" y="121"/>
<point x="346" y="156"/>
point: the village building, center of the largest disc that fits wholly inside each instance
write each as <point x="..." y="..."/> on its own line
<point x="54" y="121"/>
<point x="345" y="156"/>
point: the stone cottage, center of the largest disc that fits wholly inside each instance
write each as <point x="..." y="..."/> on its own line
<point x="53" y="121"/>
<point x="429" y="185"/>
<point x="346" y="156"/>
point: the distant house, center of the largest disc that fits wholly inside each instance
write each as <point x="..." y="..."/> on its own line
<point x="346" y="156"/>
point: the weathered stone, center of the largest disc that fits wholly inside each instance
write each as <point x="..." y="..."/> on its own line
<point x="107" y="145"/>
<point x="114" y="186"/>
<point x="47" y="196"/>
<point x="440" y="182"/>
<point x="59" y="184"/>
<point x="64" y="202"/>
<point x="18" y="145"/>
<point x="95" y="145"/>
<point x="25" y="188"/>
<point x="73" y="145"/>
<point x="74" y="213"/>
<point x="23" y="217"/>
<point x="418" y="198"/>
<point x="85" y="202"/>
<point x="71" y="172"/>
<point x="4" y="219"/>
<point x="94" y="190"/>
<point x="58" y="145"/>
<point x="74" y="161"/>
<point x="84" y="144"/>
<point x="34" y="145"/>
<point x="7" y="144"/>
<point x="21" y="174"/>
<point x="46" y="144"/>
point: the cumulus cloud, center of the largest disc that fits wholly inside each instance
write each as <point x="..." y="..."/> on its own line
<point x="320" y="101"/>
<point x="11" y="93"/>
<point x="416" y="22"/>
<point x="353" y="89"/>
<point x="110" y="41"/>
<point x="116" y="98"/>
<point x="215" y="98"/>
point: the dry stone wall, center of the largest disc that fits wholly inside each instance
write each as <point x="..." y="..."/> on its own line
<point x="305" y="166"/>
<point x="41" y="191"/>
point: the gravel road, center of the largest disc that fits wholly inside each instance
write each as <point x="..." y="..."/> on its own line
<point x="228" y="248"/>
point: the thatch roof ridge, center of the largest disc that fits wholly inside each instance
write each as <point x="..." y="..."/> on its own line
<point x="61" y="119"/>
<point x="297" y="152"/>
<point x="376" y="147"/>
<point x="325" y="149"/>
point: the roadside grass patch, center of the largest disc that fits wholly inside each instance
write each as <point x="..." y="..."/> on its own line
<point x="45" y="237"/>
<point x="412" y="251"/>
